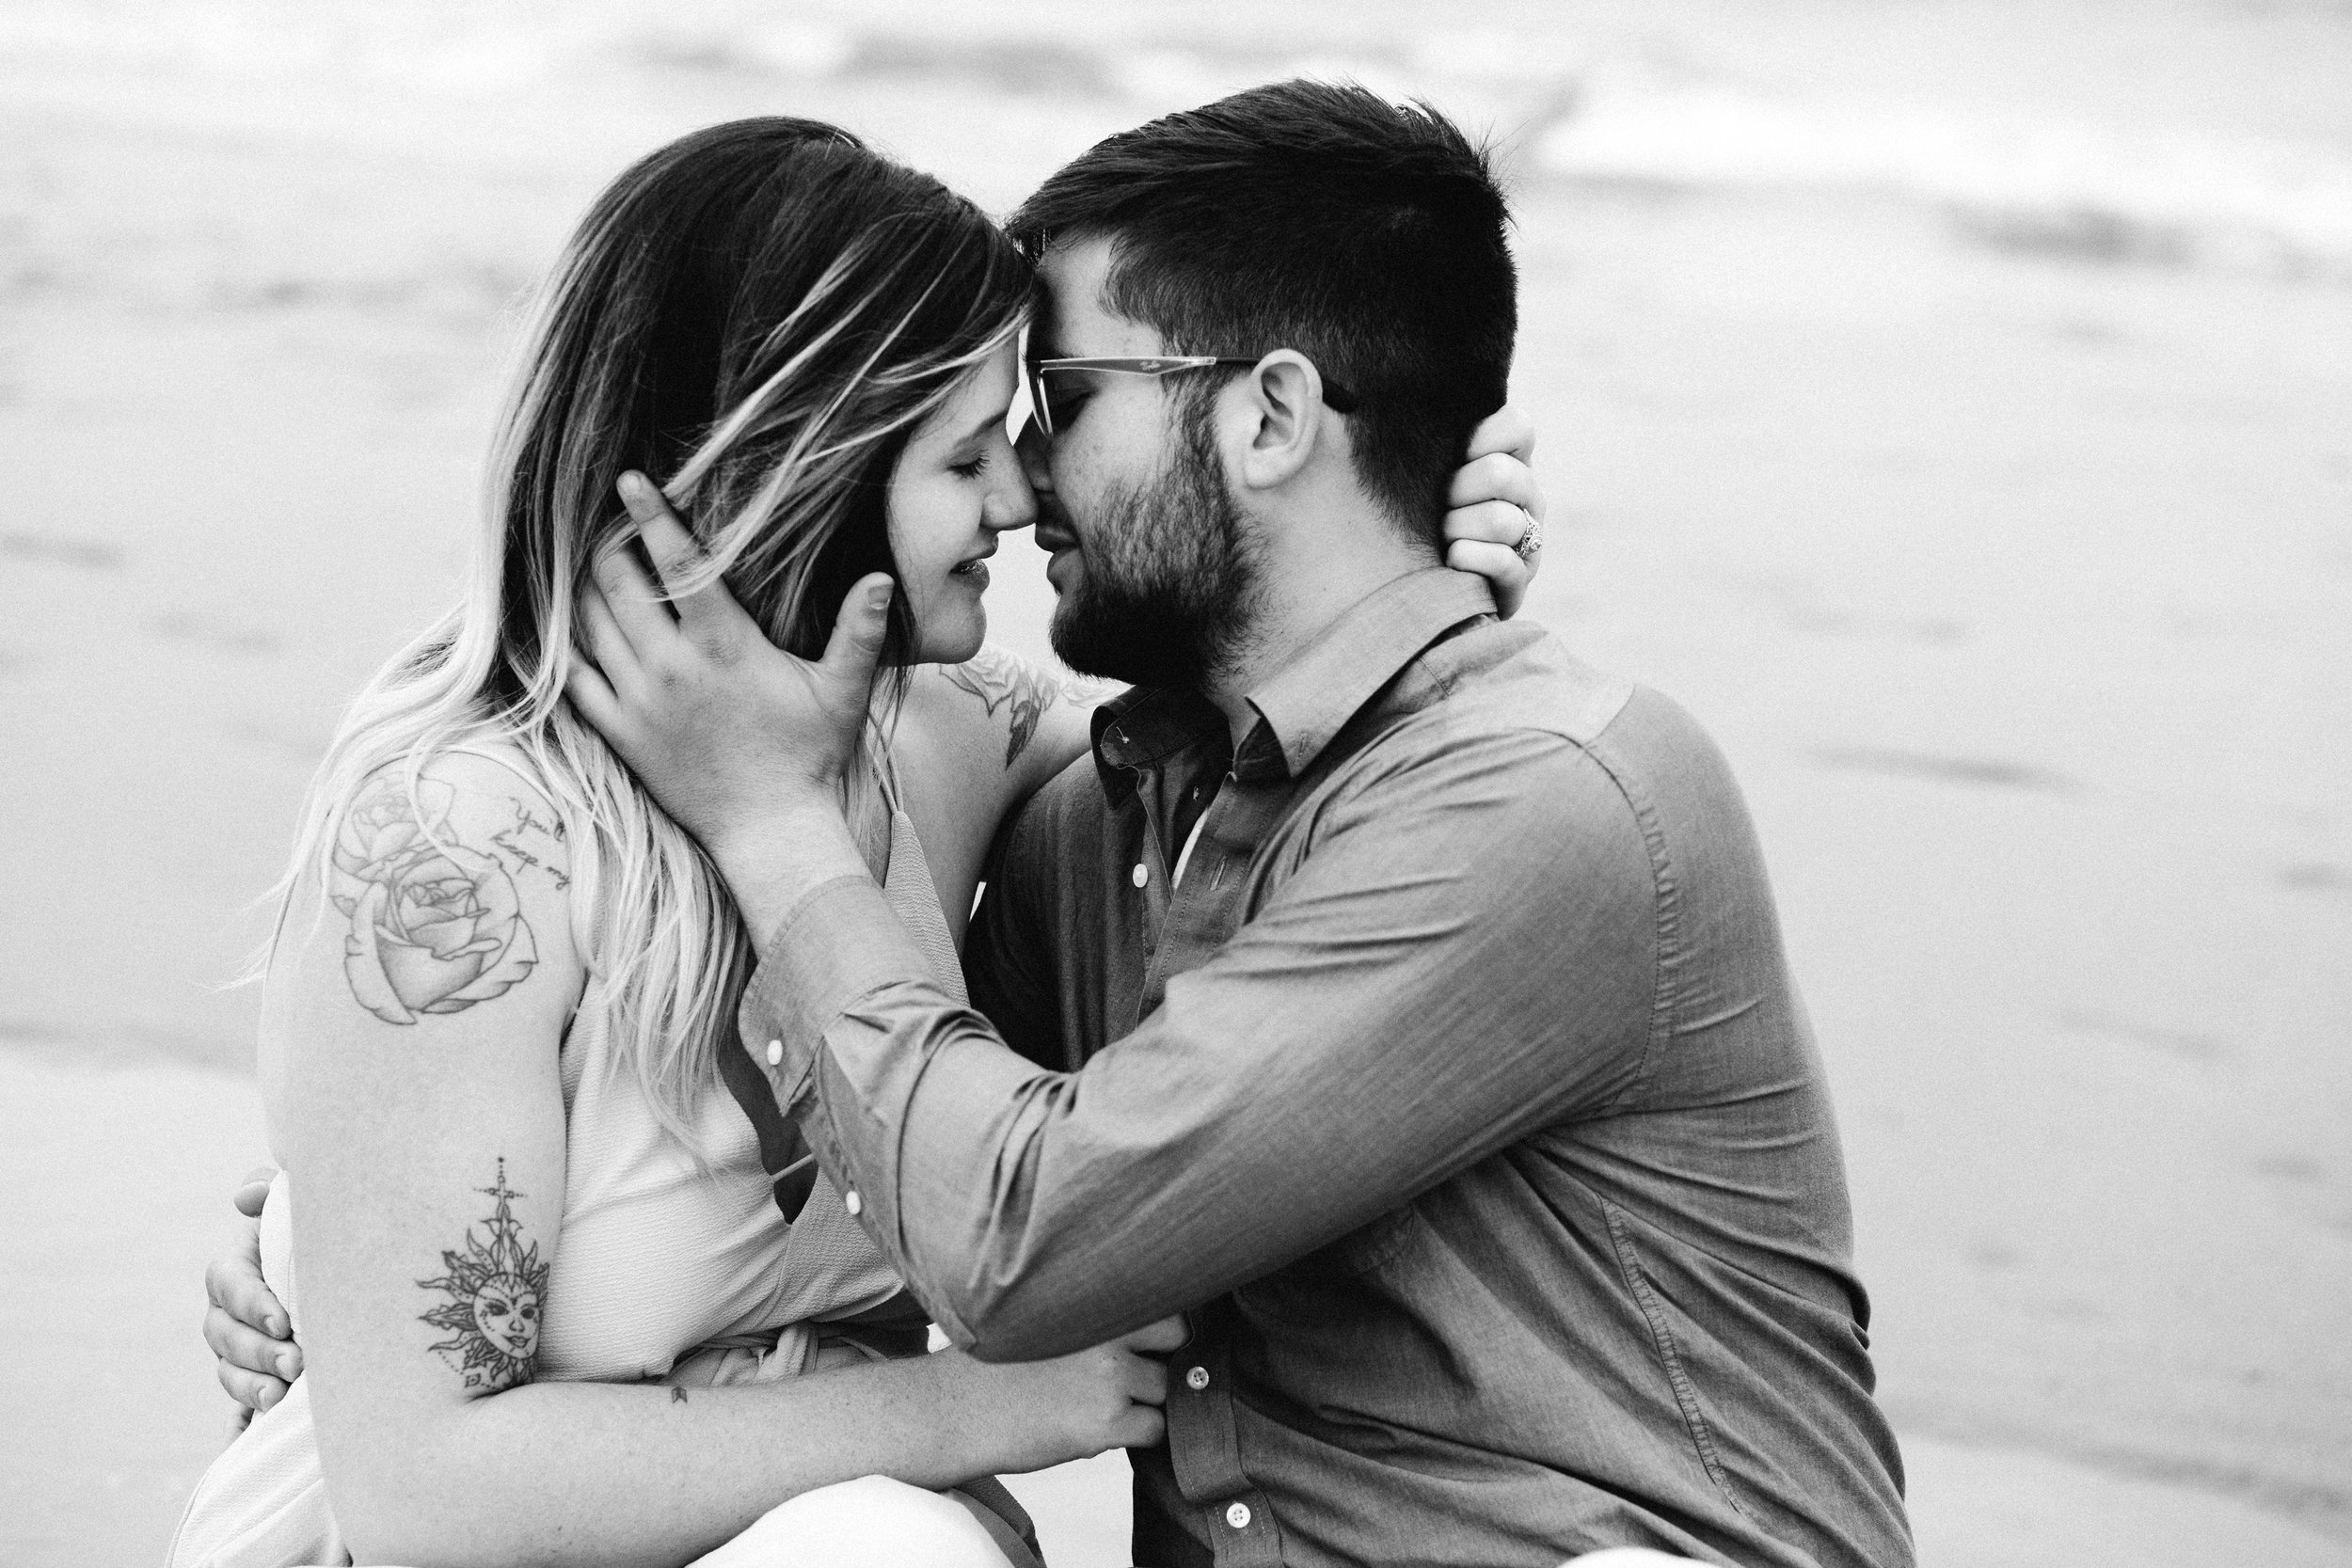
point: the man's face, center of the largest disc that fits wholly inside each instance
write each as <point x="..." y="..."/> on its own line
<point x="1152" y="560"/>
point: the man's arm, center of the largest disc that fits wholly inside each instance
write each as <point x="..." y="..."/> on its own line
<point x="1467" y="954"/>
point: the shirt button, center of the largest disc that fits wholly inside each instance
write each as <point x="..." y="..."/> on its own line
<point x="1140" y="875"/>
<point x="1197" y="1379"/>
<point x="853" y="1203"/>
<point x="1238" y="1516"/>
<point x="775" y="1052"/>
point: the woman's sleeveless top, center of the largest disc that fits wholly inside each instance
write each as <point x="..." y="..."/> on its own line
<point x="664" y="1271"/>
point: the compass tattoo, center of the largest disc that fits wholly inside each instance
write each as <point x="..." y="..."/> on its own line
<point x="495" y="1289"/>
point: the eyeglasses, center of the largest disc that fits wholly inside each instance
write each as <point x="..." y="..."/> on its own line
<point x="1058" y="404"/>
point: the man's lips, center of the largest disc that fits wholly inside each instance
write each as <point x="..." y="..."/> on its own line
<point x="1056" y="541"/>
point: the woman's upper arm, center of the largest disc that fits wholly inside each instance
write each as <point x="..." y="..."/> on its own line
<point x="980" y="738"/>
<point x="414" y="1016"/>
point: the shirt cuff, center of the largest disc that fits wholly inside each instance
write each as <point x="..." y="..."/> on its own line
<point x="842" y="942"/>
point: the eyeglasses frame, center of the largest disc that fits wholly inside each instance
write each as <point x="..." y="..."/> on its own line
<point x="1341" y="400"/>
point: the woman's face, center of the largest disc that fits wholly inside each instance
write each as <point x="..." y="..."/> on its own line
<point x="957" y="486"/>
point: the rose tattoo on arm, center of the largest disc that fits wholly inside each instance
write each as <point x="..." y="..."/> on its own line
<point x="496" y="1289"/>
<point x="435" y="926"/>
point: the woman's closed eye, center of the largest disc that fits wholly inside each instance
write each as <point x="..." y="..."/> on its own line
<point x="972" y="470"/>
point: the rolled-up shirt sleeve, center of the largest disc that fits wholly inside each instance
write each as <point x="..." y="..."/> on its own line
<point x="1466" y="952"/>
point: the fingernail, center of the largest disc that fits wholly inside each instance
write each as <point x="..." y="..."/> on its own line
<point x="289" y="1367"/>
<point x="275" y="1326"/>
<point x="878" y="596"/>
<point x="633" y="487"/>
<point x="266" y="1397"/>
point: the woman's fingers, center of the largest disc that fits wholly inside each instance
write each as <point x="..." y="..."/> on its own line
<point x="1507" y="576"/>
<point x="1157" y="1339"/>
<point x="1497" y="477"/>
<point x="1503" y="523"/>
<point x="1505" y="430"/>
<point x="1146" y="1380"/>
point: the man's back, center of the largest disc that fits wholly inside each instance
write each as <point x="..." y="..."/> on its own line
<point x="1516" y="910"/>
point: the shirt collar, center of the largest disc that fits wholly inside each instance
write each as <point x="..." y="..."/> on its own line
<point x="1145" y="725"/>
<point x="1310" y="699"/>
<point x="1307" y="701"/>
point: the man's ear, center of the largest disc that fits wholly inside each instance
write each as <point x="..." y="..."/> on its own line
<point x="1274" y="427"/>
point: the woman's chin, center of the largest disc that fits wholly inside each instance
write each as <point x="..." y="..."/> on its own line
<point x="955" y="642"/>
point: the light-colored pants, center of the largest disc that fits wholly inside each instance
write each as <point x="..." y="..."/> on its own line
<point x="857" y="1523"/>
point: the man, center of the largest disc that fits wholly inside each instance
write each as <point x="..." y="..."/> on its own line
<point x="1391" y="993"/>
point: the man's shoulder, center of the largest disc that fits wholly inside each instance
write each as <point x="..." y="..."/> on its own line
<point x="1500" y="679"/>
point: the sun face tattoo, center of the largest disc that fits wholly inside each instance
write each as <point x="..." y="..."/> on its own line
<point x="496" y="1290"/>
<point x="435" y="926"/>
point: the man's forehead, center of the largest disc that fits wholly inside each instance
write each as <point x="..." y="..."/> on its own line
<point x="1076" y="324"/>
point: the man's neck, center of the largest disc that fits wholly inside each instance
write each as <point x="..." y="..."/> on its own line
<point x="1314" y="571"/>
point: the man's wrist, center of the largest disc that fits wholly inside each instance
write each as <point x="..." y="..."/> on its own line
<point x="774" y="861"/>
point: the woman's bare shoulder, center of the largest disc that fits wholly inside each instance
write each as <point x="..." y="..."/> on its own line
<point x="448" y="884"/>
<point x="998" y="714"/>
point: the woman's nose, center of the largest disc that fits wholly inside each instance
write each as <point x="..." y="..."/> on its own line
<point x="1012" y="505"/>
<point x="1034" y="448"/>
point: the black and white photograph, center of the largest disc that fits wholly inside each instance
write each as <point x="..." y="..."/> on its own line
<point x="1132" y="785"/>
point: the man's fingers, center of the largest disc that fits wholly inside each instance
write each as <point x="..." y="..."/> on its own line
<point x="677" y="554"/>
<point x="1504" y="430"/>
<point x="234" y="1285"/>
<point x="601" y="636"/>
<point x="241" y="1347"/>
<point x="633" y="598"/>
<point x="1498" y="477"/>
<point x="856" y="647"/>
<point x="593" y="695"/>
<point x="254" y="1191"/>
<point x="250" y="1389"/>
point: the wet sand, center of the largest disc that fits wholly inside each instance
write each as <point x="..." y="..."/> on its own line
<point x="2012" y="574"/>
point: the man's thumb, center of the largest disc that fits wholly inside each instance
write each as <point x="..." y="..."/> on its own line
<point x="855" y="646"/>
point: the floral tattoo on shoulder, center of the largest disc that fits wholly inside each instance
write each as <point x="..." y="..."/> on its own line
<point x="435" y="925"/>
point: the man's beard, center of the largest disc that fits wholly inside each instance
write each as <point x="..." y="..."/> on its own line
<point x="1171" y="581"/>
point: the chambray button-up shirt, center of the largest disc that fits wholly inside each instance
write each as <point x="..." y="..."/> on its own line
<point x="1457" y="1091"/>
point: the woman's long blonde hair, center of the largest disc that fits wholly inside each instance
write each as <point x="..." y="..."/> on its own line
<point x="757" y="316"/>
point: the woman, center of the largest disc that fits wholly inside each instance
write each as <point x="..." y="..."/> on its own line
<point x="548" y="1304"/>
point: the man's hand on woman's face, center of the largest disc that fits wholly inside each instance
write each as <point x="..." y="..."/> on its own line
<point x="244" y="1322"/>
<point x="1494" y="502"/>
<point x="718" y="722"/>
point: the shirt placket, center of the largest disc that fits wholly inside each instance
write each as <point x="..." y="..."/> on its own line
<point x="1194" y="919"/>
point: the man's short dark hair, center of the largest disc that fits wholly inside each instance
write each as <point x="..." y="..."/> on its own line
<point x="1366" y="235"/>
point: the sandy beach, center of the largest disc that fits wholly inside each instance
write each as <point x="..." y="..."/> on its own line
<point x="1951" y="405"/>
